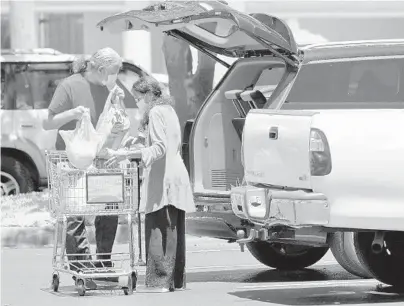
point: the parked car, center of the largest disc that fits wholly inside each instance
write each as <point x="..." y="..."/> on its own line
<point x="295" y="151"/>
<point x="28" y="81"/>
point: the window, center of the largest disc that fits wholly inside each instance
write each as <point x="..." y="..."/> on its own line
<point x="269" y="79"/>
<point x="62" y="31"/>
<point x="359" y="81"/>
<point x="3" y="82"/>
<point x="224" y="28"/>
<point x="44" y="78"/>
<point x="5" y="32"/>
<point x="31" y="86"/>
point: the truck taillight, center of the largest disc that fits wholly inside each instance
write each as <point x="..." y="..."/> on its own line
<point x="320" y="155"/>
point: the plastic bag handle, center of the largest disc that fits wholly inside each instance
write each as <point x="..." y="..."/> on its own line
<point x="79" y="124"/>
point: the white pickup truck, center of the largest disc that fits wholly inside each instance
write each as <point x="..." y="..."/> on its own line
<point x="322" y="160"/>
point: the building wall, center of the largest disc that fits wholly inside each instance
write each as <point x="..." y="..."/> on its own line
<point x="95" y="39"/>
<point x="340" y="29"/>
<point x="63" y="32"/>
<point x="334" y="20"/>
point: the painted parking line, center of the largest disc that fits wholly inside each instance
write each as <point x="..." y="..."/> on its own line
<point x="312" y="284"/>
<point x="213" y="251"/>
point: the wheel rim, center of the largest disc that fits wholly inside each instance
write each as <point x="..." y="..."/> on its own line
<point x="9" y="185"/>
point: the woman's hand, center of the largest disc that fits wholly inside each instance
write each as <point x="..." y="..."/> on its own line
<point x="78" y="112"/>
<point x="116" y="157"/>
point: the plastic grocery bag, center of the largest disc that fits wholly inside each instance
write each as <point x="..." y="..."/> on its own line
<point x="81" y="143"/>
<point x="114" y="124"/>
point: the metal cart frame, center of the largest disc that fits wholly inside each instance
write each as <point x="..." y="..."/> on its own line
<point x="96" y="191"/>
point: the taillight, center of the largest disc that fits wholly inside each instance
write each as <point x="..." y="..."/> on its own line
<point x="320" y="155"/>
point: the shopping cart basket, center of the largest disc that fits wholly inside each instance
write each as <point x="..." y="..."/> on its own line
<point x="94" y="192"/>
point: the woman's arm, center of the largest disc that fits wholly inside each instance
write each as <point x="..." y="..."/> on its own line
<point x="158" y="139"/>
<point x="61" y="110"/>
<point x="55" y="121"/>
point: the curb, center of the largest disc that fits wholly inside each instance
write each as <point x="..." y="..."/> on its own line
<point x="44" y="236"/>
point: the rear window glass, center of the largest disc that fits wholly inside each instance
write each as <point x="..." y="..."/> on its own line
<point x="31" y="86"/>
<point x="269" y="79"/>
<point x="43" y="79"/>
<point x="350" y="81"/>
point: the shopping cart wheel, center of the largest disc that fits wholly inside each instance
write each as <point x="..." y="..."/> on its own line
<point x="81" y="289"/>
<point x="55" y="282"/>
<point x="129" y="288"/>
<point x="134" y="280"/>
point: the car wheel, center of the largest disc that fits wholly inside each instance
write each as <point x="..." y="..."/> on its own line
<point x="285" y="256"/>
<point x="343" y="248"/>
<point x="15" y="177"/>
<point x="388" y="265"/>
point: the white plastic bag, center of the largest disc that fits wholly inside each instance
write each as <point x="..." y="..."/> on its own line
<point x="82" y="143"/>
<point x="114" y="124"/>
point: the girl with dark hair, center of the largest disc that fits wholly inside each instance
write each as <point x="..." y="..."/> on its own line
<point x="166" y="192"/>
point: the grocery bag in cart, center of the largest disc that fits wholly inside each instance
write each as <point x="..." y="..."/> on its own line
<point x="82" y="143"/>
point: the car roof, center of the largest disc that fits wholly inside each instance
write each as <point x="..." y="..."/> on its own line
<point x="43" y="55"/>
<point x="352" y="49"/>
<point x="34" y="55"/>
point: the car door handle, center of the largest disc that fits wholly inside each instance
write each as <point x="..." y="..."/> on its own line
<point x="27" y="126"/>
<point x="273" y="133"/>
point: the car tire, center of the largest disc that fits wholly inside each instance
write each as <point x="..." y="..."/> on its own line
<point x="13" y="169"/>
<point x="294" y="257"/>
<point x="343" y="248"/>
<point x="387" y="266"/>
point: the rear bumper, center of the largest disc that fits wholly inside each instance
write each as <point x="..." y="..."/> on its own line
<point x="219" y="218"/>
<point x="280" y="207"/>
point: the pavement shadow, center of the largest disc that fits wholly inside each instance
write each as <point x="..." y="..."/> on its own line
<point x="340" y="295"/>
<point x="267" y="276"/>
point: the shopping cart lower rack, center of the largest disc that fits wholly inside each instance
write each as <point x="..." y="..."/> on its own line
<point x="98" y="191"/>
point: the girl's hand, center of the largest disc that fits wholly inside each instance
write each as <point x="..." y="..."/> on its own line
<point x="118" y="94"/>
<point x="137" y="142"/>
<point x="116" y="157"/>
<point x="130" y="142"/>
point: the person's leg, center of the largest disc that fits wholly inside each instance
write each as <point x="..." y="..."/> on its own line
<point x="105" y="232"/>
<point x="161" y="248"/>
<point x="77" y="243"/>
<point x="179" y="272"/>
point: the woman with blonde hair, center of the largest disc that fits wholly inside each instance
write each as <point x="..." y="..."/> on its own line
<point x="166" y="195"/>
<point x="87" y="89"/>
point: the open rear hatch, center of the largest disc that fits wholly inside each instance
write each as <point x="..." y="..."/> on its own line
<point x="212" y="27"/>
<point x="276" y="148"/>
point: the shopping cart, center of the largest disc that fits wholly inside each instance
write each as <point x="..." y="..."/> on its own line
<point x="94" y="192"/>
